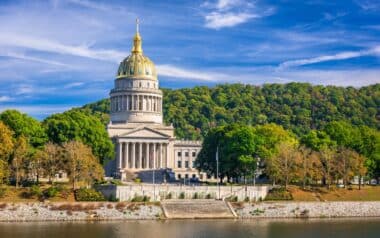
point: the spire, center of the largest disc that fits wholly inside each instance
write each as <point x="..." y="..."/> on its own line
<point x="136" y="49"/>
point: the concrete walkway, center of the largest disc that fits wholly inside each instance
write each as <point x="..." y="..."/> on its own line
<point x="197" y="208"/>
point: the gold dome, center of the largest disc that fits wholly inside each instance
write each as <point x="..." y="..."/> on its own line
<point x="137" y="64"/>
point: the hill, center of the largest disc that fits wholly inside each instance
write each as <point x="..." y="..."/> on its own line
<point x="299" y="107"/>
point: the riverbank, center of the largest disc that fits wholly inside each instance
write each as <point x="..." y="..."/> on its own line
<point x="78" y="211"/>
<point x="307" y="209"/>
<point x="81" y="211"/>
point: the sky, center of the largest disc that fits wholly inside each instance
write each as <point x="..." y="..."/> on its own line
<point x="59" y="54"/>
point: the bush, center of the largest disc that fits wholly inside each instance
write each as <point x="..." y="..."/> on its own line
<point x="279" y="194"/>
<point x="141" y="199"/>
<point x="182" y="195"/>
<point x="35" y="190"/>
<point x="3" y="191"/>
<point x="88" y="194"/>
<point x="51" y="192"/>
<point x="137" y="180"/>
<point x="195" y="196"/>
<point x="168" y="196"/>
<point x="116" y="182"/>
<point x="232" y="198"/>
<point x="208" y="196"/>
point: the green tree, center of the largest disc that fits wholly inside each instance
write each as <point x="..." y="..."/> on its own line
<point x="79" y="126"/>
<point x="24" y="125"/>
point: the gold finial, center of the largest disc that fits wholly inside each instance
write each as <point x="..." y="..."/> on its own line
<point x="137" y="40"/>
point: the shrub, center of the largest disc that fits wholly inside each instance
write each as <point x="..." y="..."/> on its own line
<point x="182" y="195"/>
<point x="116" y="182"/>
<point x="35" y="190"/>
<point x="232" y="198"/>
<point x="195" y="196"/>
<point x="279" y="194"/>
<point x="137" y="180"/>
<point x="208" y="196"/>
<point x="3" y="191"/>
<point x="88" y="194"/>
<point x="246" y="199"/>
<point x="141" y="199"/>
<point x="51" y="192"/>
<point x="168" y="196"/>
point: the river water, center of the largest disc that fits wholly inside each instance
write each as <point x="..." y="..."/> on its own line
<point x="263" y="228"/>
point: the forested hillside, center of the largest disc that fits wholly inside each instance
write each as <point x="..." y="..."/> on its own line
<point x="299" y="107"/>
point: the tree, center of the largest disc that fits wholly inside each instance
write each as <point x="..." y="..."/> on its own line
<point x="51" y="159"/>
<point x="19" y="159"/>
<point x="6" y="142"/>
<point x="24" y="125"/>
<point x="308" y="166"/>
<point x="4" y="171"/>
<point x="327" y="159"/>
<point x="81" y="164"/>
<point x="78" y="126"/>
<point x="282" y="166"/>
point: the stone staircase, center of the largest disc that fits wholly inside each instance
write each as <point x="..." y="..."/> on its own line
<point x="197" y="208"/>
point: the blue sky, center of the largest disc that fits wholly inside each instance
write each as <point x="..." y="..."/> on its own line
<point x="59" y="54"/>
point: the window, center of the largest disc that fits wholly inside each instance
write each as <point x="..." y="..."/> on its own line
<point x="208" y="176"/>
<point x="140" y="85"/>
<point x="193" y="164"/>
<point x="193" y="176"/>
<point x="194" y="154"/>
<point x="186" y="154"/>
<point x="186" y="176"/>
<point x="179" y="176"/>
<point x="186" y="164"/>
<point x="179" y="154"/>
<point x="179" y="164"/>
<point x="201" y="176"/>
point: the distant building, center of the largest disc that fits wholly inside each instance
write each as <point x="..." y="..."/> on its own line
<point x="143" y="142"/>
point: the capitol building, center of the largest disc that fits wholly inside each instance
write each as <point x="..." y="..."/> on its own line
<point x="143" y="142"/>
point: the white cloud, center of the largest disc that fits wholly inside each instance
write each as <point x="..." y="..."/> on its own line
<point x="324" y="58"/>
<point x="229" y="13"/>
<point x="177" y="72"/>
<point x="73" y="85"/>
<point x="30" y="58"/>
<point x="5" y="99"/>
<point x="217" y="20"/>
<point x="46" y="45"/>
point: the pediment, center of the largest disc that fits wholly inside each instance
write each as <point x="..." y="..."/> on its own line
<point x="145" y="132"/>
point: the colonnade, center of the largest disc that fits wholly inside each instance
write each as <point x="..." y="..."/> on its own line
<point x="142" y="155"/>
<point x="136" y="103"/>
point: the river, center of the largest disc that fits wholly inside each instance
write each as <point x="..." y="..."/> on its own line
<point x="263" y="228"/>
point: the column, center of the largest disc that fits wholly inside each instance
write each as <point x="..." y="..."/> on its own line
<point x="160" y="154"/>
<point x="147" y="155"/>
<point x="154" y="156"/>
<point x="119" y="155"/>
<point x="133" y="155"/>
<point x="126" y="155"/>
<point x="138" y="103"/>
<point x="127" y="103"/>
<point x="140" y="156"/>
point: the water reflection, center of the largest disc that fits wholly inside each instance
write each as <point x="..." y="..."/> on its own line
<point x="345" y="228"/>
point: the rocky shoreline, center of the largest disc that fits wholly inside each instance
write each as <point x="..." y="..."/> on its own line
<point x="308" y="209"/>
<point x="78" y="211"/>
<point x="89" y="211"/>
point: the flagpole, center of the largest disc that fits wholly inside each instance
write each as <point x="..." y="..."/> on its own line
<point x="217" y="170"/>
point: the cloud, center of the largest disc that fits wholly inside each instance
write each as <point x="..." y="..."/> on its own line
<point x="324" y="58"/>
<point x="5" y="99"/>
<point x="46" y="45"/>
<point x="30" y="58"/>
<point x="73" y="85"/>
<point x="229" y="13"/>
<point x="177" y="72"/>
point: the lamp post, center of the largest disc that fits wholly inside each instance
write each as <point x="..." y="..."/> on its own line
<point x="217" y="170"/>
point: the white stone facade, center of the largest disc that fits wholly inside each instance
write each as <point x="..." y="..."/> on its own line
<point x="136" y="127"/>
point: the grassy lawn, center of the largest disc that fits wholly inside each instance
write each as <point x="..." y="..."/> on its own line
<point x="367" y="193"/>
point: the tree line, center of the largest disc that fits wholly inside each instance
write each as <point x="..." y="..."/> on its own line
<point x="298" y="107"/>
<point x="71" y="142"/>
<point x="339" y="151"/>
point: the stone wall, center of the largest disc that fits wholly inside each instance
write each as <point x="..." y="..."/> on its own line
<point x="161" y="192"/>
